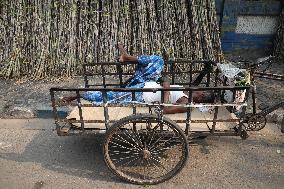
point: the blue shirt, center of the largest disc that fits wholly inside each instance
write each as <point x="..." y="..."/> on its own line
<point x="149" y="68"/>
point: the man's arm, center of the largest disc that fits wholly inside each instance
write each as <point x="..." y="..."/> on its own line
<point x="173" y="109"/>
<point x="166" y="85"/>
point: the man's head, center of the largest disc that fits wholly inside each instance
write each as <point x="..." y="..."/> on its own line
<point x="203" y="97"/>
<point x="208" y="97"/>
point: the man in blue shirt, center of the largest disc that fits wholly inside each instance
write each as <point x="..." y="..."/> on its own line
<point x="148" y="71"/>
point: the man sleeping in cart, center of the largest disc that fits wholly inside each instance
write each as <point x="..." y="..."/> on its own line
<point x="147" y="74"/>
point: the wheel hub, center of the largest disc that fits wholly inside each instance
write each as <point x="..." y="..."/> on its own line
<point x="146" y="154"/>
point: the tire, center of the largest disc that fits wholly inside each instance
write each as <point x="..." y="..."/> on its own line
<point x="256" y="122"/>
<point x="145" y="154"/>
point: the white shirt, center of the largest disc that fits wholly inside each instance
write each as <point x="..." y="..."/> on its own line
<point x="156" y="97"/>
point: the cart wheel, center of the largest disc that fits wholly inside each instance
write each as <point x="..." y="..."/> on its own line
<point x="142" y="149"/>
<point x="256" y="122"/>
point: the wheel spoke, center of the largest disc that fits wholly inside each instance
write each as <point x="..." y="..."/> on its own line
<point x="161" y="150"/>
<point x="135" y="135"/>
<point x="127" y="163"/>
<point x="153" y="132"/>
<point x="123" y="140"/>
<point x="159" y="145"/>
<point x="124" y="152"/>
<point x="131" y="149"/>
<point x="121" y="159"/>
<point x="159" y="163"/>
<point x="130" y="136"/>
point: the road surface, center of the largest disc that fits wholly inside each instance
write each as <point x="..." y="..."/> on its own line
<point x="33" y="156"/>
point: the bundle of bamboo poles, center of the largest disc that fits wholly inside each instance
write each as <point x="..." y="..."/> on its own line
<point x="44" y="38"/>
<point x="279" y="42"/>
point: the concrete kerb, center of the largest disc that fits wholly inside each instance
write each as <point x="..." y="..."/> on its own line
<point x="27" y="112"/>
<point x="46" y="112"/>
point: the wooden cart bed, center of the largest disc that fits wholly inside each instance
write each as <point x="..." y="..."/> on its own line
<point x="116" y="113"/>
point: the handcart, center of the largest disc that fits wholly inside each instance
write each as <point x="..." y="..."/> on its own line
<point x="141" y="144"/>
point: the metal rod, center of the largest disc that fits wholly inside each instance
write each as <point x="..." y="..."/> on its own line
<point x="127" y="74"/>
<point x="172" y="72"/>
<point x="119" y="70"/>
<point x="216" y="110"/>
<point x="80" y="109"/>
<point x="177" y="121"/>
<point x="133" y="98"/>
<point x="216" y="77"/>
<point x="155" y="89"/>
<point x="53" y="103"/>
<point x="141" y="104"/>
<point x="162" y="97"/>
<point x="208" y="79"/>
<point x="106" y="115"/>
<point x="86" y="77"/>
<point x="166" y="62"/>
<point x="134" y="110"/>
<point x="188" y="113"/>
<point x="103" y="74"/>
<point x="253" y="99"/>
<point x="190" y="75"/>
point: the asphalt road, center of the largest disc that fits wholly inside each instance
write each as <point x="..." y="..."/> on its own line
<point x="32" y="156"/>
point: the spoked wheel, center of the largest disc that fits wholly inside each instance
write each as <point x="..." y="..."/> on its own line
<point x="256" y="122"/>
<point x="142" y="149"/>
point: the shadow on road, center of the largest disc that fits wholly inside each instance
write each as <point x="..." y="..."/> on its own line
<point x="80" y="156"/>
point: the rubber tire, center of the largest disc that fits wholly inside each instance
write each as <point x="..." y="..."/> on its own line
<point x="128" y="119"/>
<point x="255" y="117"/>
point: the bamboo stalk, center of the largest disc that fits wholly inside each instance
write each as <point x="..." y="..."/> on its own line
<point x="44" y="38"/>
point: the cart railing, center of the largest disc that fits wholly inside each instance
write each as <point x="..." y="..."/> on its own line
<point x="218" y="91"/>
<point x="116" y="74"/>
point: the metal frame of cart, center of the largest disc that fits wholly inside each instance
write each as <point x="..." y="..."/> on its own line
<point x="151" y="148"/>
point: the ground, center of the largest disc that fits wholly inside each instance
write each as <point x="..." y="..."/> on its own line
<point x="33" y="156"/>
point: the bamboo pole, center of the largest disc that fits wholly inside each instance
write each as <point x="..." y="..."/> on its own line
<point x="45" y="38"/>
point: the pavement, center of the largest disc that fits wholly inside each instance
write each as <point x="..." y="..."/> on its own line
<point x="32" y="156"/>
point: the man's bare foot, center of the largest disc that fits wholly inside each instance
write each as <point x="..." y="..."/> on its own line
<point x="68" y="99"/>
<point x="121" y="49"/>
<point x="123" y="53"/>
<point x="124" y="56"/>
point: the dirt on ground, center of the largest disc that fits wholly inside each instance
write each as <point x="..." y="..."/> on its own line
<point x="26" y="93"/>
<point x="33" y="156"/>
